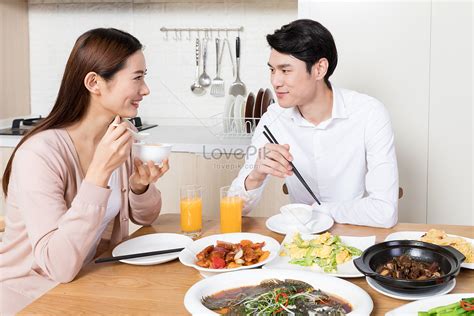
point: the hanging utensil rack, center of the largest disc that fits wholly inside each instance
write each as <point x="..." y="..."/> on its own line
<point x="207" y="31"/>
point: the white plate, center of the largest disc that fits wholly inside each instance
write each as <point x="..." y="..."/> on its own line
<point x="237" y="124"/>
<point x="188" y="255"/>
<point x="415" y="235"/>
<point x="412" y="296"/>
<point x="241" y="122"/>
<point x="151" y="242"/>
<point x="345" y="270"/>
<point x="359" y="299"/>
<point x="319" y="222"/>
<point x="412" y="309"/>
<point x="228" y="113"/>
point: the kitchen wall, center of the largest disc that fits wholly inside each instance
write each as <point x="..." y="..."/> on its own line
<point x="54" y="27"/>
<point x="416" y="57"/>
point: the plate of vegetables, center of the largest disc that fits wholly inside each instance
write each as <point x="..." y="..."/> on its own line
<point x="450" y="304"/>
<point x="229" y="252"/>
<point x="326" y="253"/>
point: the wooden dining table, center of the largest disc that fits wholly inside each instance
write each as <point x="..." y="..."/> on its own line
<point x="117" y="288"/>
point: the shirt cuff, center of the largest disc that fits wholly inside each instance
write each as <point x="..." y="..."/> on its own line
<point x="250" y="197"/>
<point x="151" y="193"/>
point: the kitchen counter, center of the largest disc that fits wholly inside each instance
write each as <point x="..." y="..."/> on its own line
<point x="190" y="139"/>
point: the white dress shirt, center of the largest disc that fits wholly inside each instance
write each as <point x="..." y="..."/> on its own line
<point x="348" y="161"/>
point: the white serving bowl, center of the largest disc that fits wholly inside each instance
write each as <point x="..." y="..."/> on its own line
<point x="154" y="152"/>
<point x="295" y="214"/>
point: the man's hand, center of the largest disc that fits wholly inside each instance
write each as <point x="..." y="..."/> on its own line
<point x="272" y="159"/>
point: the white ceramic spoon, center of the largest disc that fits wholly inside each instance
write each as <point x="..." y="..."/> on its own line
<point x="302" y="228"/>
<point x="137" y="136"/>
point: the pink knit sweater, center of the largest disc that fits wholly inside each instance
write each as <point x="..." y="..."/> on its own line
<point x="52" y="218"/>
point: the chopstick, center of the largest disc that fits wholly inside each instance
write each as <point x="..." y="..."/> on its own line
<point x="138" y="255"/>
<point x="273" y="140"/>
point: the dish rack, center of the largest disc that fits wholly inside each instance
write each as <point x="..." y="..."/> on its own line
<point x="231" y="127"/>
<point x="241" y="115"/>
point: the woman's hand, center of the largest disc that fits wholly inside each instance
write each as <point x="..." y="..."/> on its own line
<point x="272" y="159"/>
<point x="112" y="151"/>
<point x="145" y="173"/>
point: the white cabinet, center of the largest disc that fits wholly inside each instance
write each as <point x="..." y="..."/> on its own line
<point x="450" y="187"/>
<point x="14" y="59"/>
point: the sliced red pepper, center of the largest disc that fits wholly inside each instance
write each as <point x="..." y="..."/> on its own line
<point x="467" y="306"/>
<point x="217" y="263"/>
<point x="277" y="299"/>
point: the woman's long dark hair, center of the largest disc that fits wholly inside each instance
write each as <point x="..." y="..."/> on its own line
<point x="103" y="51"/>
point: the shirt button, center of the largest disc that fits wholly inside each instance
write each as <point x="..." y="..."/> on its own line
<point x="124" y="190"/>
<point x="124" y="219"/>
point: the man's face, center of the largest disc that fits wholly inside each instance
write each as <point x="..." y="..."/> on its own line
<point x="293" y="85"/>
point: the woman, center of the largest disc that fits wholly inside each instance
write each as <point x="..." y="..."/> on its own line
<point x="73" y="175"/>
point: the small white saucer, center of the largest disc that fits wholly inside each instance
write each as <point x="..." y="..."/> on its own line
<point x="152" y="242"/>
<point x="319" y="222"/>
<point x="448" y="287"/>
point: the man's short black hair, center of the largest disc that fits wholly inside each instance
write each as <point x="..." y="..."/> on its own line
<point x="308" y="41"/>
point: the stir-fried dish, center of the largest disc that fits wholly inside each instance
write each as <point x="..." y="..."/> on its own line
<point x="325" y="250"/>
<point x="440" y="238"/>
<point x="276" y="297"/>
<point x="406" y="268"/>
<point x="226" y="255"/>
<point x="463" y="307"/>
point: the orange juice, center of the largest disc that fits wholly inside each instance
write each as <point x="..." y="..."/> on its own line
<point x="191" y="214"/>
<point x="231" y="214"/>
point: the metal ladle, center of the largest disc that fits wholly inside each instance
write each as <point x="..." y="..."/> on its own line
<point x="196" y="88"/>
<point x="204" y="79"/>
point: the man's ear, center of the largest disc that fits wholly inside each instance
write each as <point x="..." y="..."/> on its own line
<point x="320" y="68"/>
<point x="92" y="83"/>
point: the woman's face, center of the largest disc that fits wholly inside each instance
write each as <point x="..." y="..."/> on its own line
<point x="123" y="93"/>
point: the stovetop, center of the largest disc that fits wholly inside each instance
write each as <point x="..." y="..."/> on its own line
<point x="21" y="126"/>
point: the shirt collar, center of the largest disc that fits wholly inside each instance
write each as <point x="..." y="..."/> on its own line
<point x="339" y="111"/>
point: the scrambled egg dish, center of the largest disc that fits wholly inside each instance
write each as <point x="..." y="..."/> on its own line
<point x="325" y="250"/>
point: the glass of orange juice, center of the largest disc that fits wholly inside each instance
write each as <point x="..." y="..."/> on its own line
<point x="231" y="209"/>
<point x="190" y="203"/>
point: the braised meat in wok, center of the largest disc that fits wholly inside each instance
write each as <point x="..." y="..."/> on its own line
<point x="406" y="268"/>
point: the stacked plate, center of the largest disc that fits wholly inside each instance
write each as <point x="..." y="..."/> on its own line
<point x="242" y="114"/>
<point x="263" y="99"/>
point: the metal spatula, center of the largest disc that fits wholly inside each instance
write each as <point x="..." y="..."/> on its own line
<point x="238" y="87"/>
<point x="217" y="87"/>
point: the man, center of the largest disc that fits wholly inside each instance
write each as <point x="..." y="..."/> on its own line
<point x="341" y="141"/>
